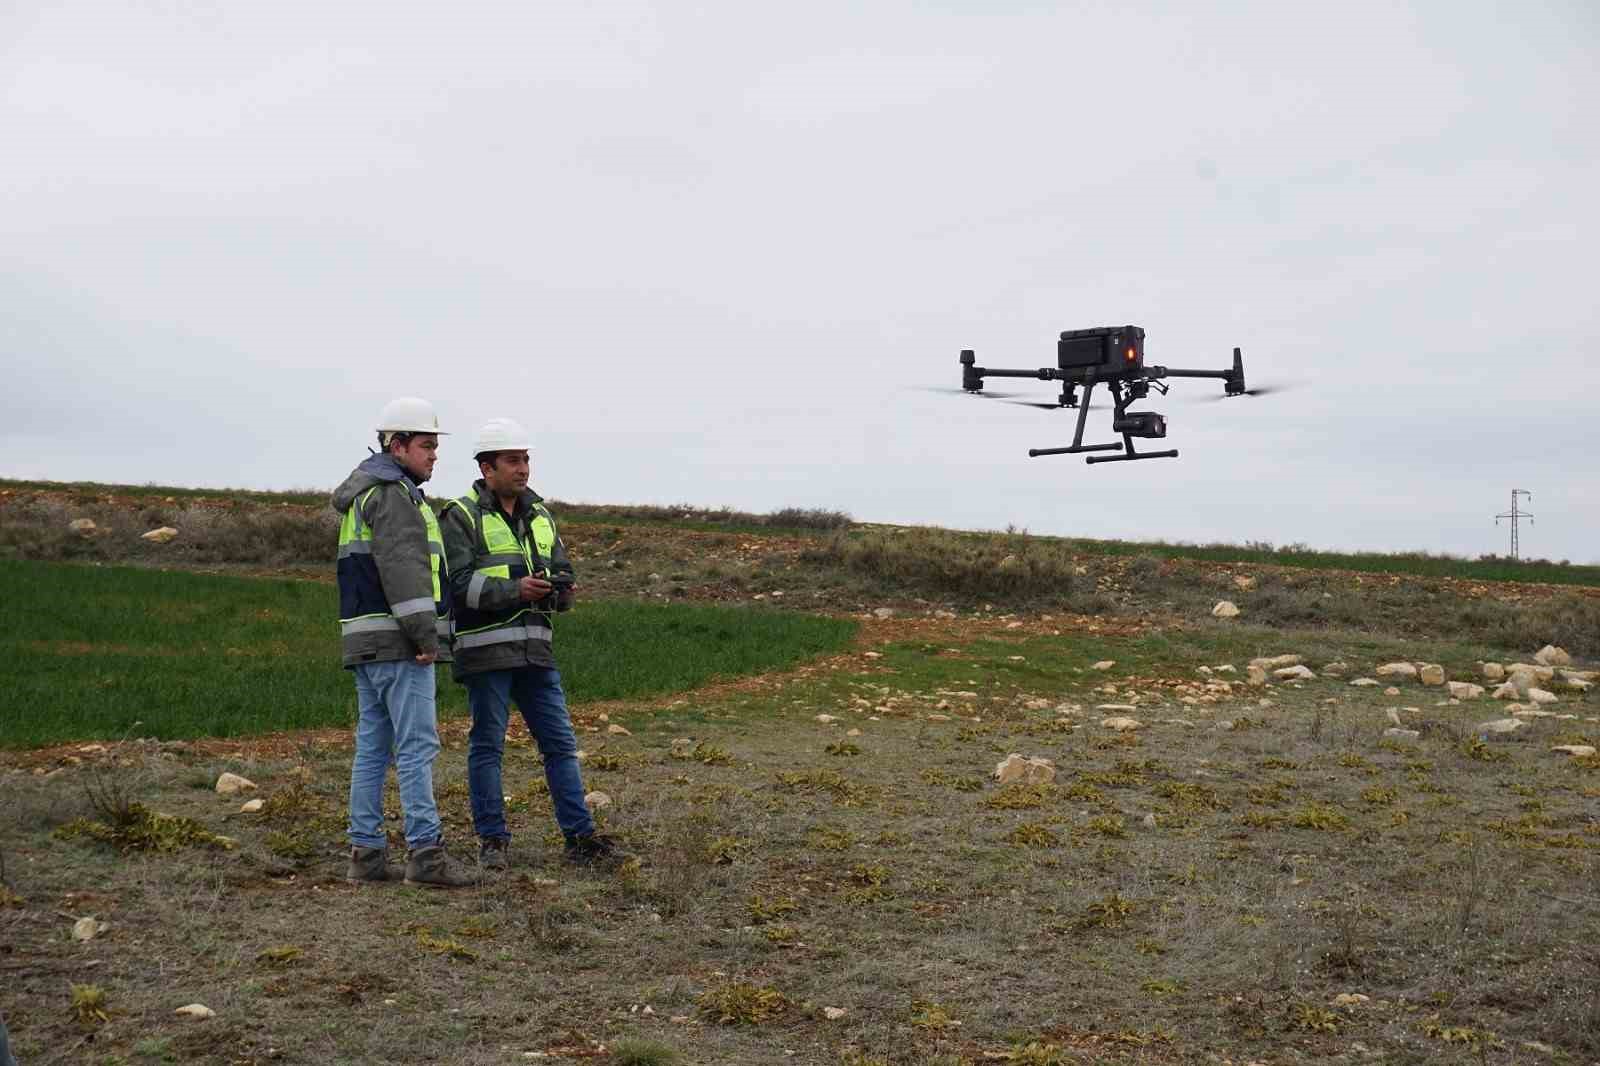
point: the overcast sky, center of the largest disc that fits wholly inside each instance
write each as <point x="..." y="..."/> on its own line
<point x="708" y="252"/>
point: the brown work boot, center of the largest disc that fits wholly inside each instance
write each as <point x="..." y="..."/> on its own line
<point x="432" y="868"/>
<point x="368" y="865"/>
<point x="592" y="849"/>
<point x="492" y="853"/>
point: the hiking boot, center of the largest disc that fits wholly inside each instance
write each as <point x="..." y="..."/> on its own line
<point x="592" y="849"/>
<point x="492" y="853"/>
<point x="368" y="864"/>
<point x="430" y="867"/>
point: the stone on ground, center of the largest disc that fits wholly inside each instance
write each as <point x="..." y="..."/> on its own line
<point x="1431" y="674"/>
<point x="159" y="536"/>
<point x="1464" y="690"/>
<point x="230" y="784"/>
<point x="1122" y="723"/>
<point x="1397" y="670"/>
<point x="1294" y="673"/>
<point x="1225" y="609"/>
<point x="1550" y="655"/>
<point x="1029" y="770"/>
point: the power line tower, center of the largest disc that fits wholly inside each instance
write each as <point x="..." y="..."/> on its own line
<point x="1515" y="516"/>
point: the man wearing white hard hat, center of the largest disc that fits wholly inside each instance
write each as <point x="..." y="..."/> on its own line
<point x="509" y="573"/>
<point x="394" y="621"/>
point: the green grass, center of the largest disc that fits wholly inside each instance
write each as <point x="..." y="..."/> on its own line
<point x="94" y="650"/>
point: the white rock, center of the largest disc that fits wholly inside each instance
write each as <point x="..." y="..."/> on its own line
<point x="1122" y="724"/>
<point x="198" y="1011"/>
<point x="1505" y="691"/>
<point x="229" y="784"/>
<point x="833" y="1014"/>
<point x="1255" y="675"/>
<point x="1115" y="707"/>
<point x="1550" y="655"/>
<point x="1104" y="664"/>
<point x="1363" y="682"/>
<point x="252" y="806"/>
<point x="1350" y="999"/>
<point x="1464" y="690"/>
<point x="1335" y="669"/>
<point x="618" y="731"/>
<point x="1150" y="821"/>
<point x="1391" y="691"/>
<point x="826" y="718"/>
<point x="1225" y="609"/>
<point x="1493" y="672"/>
<point x="1243" y="582"/>
<point x="1499" y="725"/>
<point x="1294" y="673"/>
<point x="1397" y="733"/>
<point x="883" y="612"/>
<point x="1568" y="674"/>
<point x="88" y="928"/>
<point x="597" y="800"/>
<point x="852" y="732"/>
<point x="1029" y="770"/>
<point x="84" y="527"/>
<point x="159" y="536"/>
<point x="1274" y="662"/>
<point x="1575" y="749"/>
<point x="1578" y="684"/>
<point x="1397" y="670"/>
<point x="1431" y="674"/>
<point x="1392" y="714"/>
<point x="1539" y="695"/>
<point x="1539" y="671"/>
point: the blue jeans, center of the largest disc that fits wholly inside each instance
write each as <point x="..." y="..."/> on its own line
<point x="396" y="715"/>
<point x="537" y="692"/>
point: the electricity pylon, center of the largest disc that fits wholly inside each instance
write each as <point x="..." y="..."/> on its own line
<point x="1515" y="516"/>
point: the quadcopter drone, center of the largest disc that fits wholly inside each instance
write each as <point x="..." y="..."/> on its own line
<point x="1112" y="356"/>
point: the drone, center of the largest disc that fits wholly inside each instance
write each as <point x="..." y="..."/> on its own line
<point x="1112" y="356"/>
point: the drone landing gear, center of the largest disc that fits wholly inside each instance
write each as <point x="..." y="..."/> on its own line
<point x="1120" y="400"/>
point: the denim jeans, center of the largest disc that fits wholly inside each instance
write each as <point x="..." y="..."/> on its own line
<point x="537" y="692"/>
<point x="396" y="715"/>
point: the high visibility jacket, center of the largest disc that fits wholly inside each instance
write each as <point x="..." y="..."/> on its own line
<point x="488" y="553"/>
<point x="394" y="598"/>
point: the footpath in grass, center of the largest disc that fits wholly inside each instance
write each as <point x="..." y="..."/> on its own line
<point x="95" y="650"/>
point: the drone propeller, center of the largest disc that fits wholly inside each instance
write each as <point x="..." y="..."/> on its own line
<point x="985" y="394"/>
<point x="1259" y="390"/>
<point x="1055" y="406"/>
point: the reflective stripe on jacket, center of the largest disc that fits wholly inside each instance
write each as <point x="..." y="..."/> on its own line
<point x="393" y="595"/>
<point x="488" y="555"/>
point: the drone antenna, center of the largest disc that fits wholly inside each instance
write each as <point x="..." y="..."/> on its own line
<point x="1515" y="515"/>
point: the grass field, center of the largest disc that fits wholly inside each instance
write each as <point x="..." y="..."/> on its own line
<point x="1258" y="874"/>
<point x="92" y="650"/>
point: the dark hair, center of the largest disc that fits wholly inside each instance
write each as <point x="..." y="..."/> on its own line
<point x="402" y="438"/>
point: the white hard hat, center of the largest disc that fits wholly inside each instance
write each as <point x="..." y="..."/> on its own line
<point x="409" y="415"/>
<point x="501" y="435"/>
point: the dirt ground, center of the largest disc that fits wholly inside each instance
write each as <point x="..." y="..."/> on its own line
<point x="828" y="871"/>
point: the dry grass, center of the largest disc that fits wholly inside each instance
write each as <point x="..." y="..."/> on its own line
<point x="1200" y="891"/>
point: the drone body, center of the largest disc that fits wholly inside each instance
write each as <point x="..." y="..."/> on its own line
<point x="1112" y="356"/>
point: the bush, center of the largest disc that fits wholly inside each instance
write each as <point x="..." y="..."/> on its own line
<point x="1010" y="569"/>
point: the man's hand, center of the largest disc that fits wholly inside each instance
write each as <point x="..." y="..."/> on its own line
<point x="426" y="658"/>
<point x="532" y="589"/>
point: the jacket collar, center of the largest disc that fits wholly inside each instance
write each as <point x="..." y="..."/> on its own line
<point x="488" y="501"/>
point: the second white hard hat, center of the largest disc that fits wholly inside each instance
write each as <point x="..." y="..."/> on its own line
<point x="408" y="414"/>
<point x="501" y="435"/>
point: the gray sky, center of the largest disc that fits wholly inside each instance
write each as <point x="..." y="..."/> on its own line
<point x="708" y="251"/>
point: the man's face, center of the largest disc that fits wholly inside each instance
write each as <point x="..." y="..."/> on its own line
<point x="417" y="455"/>
<point x="508" y="474"/>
